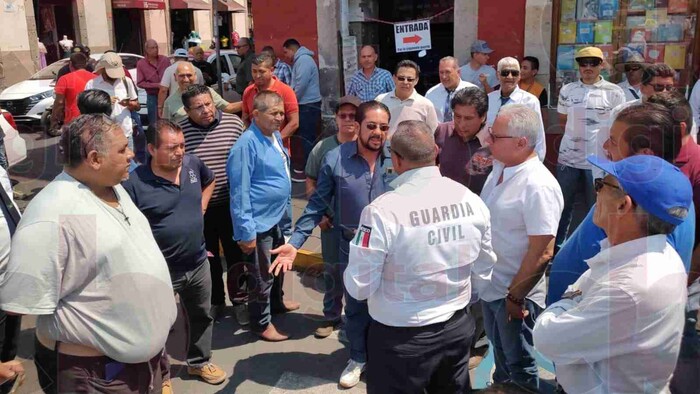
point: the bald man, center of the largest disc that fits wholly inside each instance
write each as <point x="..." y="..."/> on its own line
<point x="150" y="71"/>
<point x="371" y="81"/>
<point x="185" y="75"/>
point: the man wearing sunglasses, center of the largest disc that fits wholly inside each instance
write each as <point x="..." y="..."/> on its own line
<point x="244" y="75"/>
<point x="404" y="102"/>
<point x="351" y="177"/>
<point x="584" y="109"/>
<point x="633" y="66"/>
<point x="508" y="70"/>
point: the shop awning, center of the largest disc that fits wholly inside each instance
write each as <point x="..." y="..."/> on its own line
<point x="140" y="4"/>
<point x="189" y="5"/>
<point x="230" y="6"/>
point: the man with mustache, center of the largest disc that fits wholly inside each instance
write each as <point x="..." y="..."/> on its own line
<point x="351" y="177"/>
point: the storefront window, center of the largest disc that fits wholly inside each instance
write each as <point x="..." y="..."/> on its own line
<point x="657" y="31"/>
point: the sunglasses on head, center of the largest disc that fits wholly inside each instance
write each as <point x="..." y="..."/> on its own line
<point x="506" y="73"/>
<point x="373" y="126"/>
<point x="589" y="62"/>
<point x="405" y="79"/>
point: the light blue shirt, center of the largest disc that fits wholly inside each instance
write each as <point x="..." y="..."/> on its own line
<point x="470" y="75"/>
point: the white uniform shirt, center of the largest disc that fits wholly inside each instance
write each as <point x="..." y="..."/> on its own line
<point x="588" y="110"/>
<point x="527" y="202"/>
<point x="91" y="277"/>
<point x="169" y="81"/>
<point x="421" y="250"/>
<point x="5" y="238"/>
<point x="631" y="93"/>
<point x="415" y="107"/>
<point x="470" y="75"/>
<point x="623" y="334"/>
<point x="518" y="96"/>
<point x="120" y="114"/>
<point x="438" y="96"/>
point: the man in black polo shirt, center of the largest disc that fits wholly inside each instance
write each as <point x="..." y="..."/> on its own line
<point x="173" y="190"/>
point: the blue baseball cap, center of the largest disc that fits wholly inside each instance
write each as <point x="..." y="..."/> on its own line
<point x="653" y="183"/>
<point x="481" y="46"/>
<point x="180" y="52"/>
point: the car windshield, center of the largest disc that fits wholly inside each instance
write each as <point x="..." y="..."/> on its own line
<point x="50" y="71"/>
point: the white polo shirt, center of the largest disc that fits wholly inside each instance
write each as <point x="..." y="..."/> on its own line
<point x="121" y="89"/>
<point x="422" y="251"/>
<point x="518" y="96"/>
<point x="438" y="95"/>
<point x="623" y="333"/>
<point x="93" y="277"/>
<point x="631" y="93"/>
<point x="527" y="202"/>
<point x="588" y="109"/>
<point x="415" y="107"/>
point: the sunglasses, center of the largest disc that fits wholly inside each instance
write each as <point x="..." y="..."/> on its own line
<point x="632" y="68"/>
<point x="240" y="46"/>
<point x="589" y="63"/>
<point x="405" y="79"/>
<point x="373" y="126"/>
<point x="346" y="116"/>
<point x="506" y="73"/>
<point x="598" y="184"/>
<point x="660" y="88"/>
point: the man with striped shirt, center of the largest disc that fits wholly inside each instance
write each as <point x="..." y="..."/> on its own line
<point x="209" y="135"/>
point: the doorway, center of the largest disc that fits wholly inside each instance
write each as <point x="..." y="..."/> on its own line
<point x="128" y="30"/>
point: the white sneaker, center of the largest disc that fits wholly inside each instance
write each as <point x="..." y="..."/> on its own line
<point x="351" y="374"/>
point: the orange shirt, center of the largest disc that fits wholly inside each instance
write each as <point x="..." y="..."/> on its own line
<point x="70" y="86"/>
<point x="290" y="99"/>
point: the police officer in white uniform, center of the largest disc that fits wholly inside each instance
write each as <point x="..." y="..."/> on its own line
<point x="420" y="255"/>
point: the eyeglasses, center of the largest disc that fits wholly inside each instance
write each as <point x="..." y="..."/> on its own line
<point x="495" y="137"/>
<point x="394" y="152"/>
<point x="373" y="126"/>
<point x="505" y="73"/>
<point x="347" y="117"/>
<point x="632" y="68"/>
<point x="589" y="62"/>
<point x="660" y="88"/>
<point x="405" y="79"/>
<point x="598" y="184"/>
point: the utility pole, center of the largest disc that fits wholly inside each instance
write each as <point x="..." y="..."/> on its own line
<point x="215" y="36"/>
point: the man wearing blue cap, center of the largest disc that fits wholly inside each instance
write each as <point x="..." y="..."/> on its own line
<point x="476" y="71"/>
<point x="619" y="327"/>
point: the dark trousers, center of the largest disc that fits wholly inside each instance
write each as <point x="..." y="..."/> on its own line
<point x="61" y="373"/>
<point x="139" y="137"/>
<point x="686" y="377"/>
<point x="194" y="288"/>
<point x="573" y="181"/>
<point x="10" y="327"/>
<point x="218" y="227"/>
<point x="305" y="136"/>
<point x="432" y="359"/>
<point x="265" y="289"/>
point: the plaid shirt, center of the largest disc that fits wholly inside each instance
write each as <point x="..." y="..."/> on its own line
<point x="283" y="72"/>
<point x="368" y="89"/>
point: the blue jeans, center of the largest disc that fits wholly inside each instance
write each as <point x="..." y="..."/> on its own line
<point x="139" y="138"/>
<point x="356" y="312"/>
<point x="573" y="181"/>
<point x="686" y="377"/>
<point x="152" y="108"/>
<point x="332" y="276"/>
<point x="513" y="349"/>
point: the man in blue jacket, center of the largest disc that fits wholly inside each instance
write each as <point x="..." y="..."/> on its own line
<point x="260" y="167"/>
<point x="306" y="86"/>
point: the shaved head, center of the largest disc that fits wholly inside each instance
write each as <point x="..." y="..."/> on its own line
<point x="184" y="67"/>
<point x="151" y="43"/>
<point x="185" y="75"/>
<point x="368" y="49"/>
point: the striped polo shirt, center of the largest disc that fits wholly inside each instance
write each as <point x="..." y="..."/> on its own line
<point x="212" y="145"/>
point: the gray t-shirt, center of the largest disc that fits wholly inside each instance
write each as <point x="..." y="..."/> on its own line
<point x="313" y="164"/>
<point x="470" y="75"/>
<point x="94" y="277"/>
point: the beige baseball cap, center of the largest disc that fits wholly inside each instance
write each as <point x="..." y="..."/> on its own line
<point x="112" y="64"/>
<point x="590" y="52"/>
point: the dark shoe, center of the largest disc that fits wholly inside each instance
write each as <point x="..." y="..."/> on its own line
<point x="240" y="311"/>
<point x="217" y="311"/>
<point x="326" y="328"/>
<point x="271" y="334"/>
<point x="287" y="307"/>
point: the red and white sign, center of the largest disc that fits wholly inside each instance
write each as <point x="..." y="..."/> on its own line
<point x="140" y="4"/>
<point x="412" y="36"/>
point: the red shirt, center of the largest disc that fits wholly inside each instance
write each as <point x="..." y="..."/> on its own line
<point x="290" y="99"/>
<point x="688" y="160"/>
<point x="70" y="86"/>
<point x="149" y="75"/>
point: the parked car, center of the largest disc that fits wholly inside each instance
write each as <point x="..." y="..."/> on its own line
<point x="30" y="101"/>
<point x="230" y="60"/>
<point x="15" y="146"/>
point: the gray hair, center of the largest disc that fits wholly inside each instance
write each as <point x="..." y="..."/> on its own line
<point x="450" y="59"/>
<point x="653" y="225"/>
<point x="414" y="142"/>
<point x="523" y="121"/>
<point x="84" y="134"/>
<point x="266" y="99"/>
<point x="509" y="63"/>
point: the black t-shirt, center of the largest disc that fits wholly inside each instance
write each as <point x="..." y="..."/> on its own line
<point x="174" y="212"/>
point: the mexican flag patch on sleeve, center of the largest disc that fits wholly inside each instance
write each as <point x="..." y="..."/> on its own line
<point x="362" y="237"/>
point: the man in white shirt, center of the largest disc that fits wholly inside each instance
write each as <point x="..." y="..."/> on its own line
<point x="633" y="66"/>
<point x="618" y="328"/>
<point x="404" y="102"/>
<point x="422" y="253"/>
<point x="525" y="203"/>
<point x="510" y="93"/>
<point x="168" y="84"/>
<point x="584" y="109"/>
<point x="477" y="71"/>
<point x="450" y="83"/>
<point x="111" y="79"/>
<point x="99" y="284"/>
<point x="695" y="102"/>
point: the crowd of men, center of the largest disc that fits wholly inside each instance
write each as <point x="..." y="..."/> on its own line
<point x="438" y="217"/>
